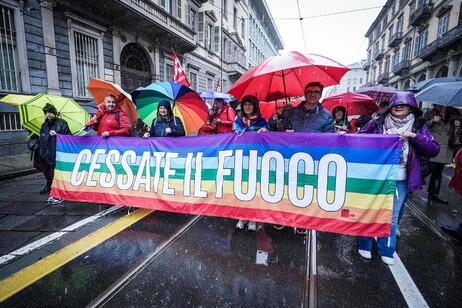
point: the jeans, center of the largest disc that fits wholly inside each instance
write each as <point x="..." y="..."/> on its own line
<point x="386" y="245"/>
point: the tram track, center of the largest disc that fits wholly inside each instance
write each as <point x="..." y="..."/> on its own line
<point x="119" y="285"/>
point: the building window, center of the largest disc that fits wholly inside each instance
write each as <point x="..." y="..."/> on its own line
<point x="419" y="43"/>
<point x="86" y="58"/>
<point x="178" y="9"/>
<point x="443" y="25"/>
<point x="243" y="28"/>
<point x="224" y="5"/>
<point x="235" y="18"/>
<point x="209" y="36"/>
<point x="210" y="83"/>
<point x="169" y="72"/>
<point x="10" y="121"/>
<point x="192" y="19"/>
<point x="9" y="67"/>
<point x="193" y="80"/>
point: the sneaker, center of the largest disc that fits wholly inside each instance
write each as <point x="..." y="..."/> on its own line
<point x="278" y="227"/>
<point x="301" y="231"/>
<point x="56" y="201"/>
<point x="398" y="233"/>
<point x="50" y="199"/>
<point x="241" y="224"/>
<point x="252" y="226"/>
<point x="365" y="254"/>
<point x="388" y="260"/>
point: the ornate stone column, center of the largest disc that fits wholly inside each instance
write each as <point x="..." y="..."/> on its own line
<point x="51" y="62"/>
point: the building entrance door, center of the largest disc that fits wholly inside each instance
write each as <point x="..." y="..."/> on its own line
<point x="135" y="68"/>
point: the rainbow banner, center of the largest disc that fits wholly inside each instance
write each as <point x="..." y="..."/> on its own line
<point x="326" y="182"/>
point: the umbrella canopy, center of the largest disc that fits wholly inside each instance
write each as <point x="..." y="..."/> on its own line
<point x="186" y="104"/>
<point x="16" y="99"/>
<point x="447" y="94"/>
<point x="426" y="83"/>
<point x="99" y="89"/>
<point x="32" y="116"/>
<point x="354" y="103"/>
<point x="213" y="95"/>
<point x="286" y="76"/>
<point x="267" y="109"/>
<point x="378" y="93"/>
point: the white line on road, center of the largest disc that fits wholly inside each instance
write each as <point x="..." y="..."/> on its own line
<point x="54" y="236"/>
<point x="407" y="286"/>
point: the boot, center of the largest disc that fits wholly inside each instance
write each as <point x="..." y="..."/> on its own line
<point x="45" y="189"/>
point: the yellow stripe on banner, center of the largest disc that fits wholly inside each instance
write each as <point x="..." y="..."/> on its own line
<point x="27" y="276"/>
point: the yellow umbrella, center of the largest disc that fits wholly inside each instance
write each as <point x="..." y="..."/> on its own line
<point x="16" y="99"/>
<point x="32" y="116"/>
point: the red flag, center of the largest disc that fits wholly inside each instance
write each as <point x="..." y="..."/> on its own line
<point x="218" y="85"/>
<point x="179" y="75"/>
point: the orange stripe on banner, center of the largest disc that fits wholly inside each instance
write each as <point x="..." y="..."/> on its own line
<point x="136" y="199"/>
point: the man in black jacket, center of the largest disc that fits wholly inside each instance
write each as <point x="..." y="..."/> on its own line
<point x="50" y="128"/>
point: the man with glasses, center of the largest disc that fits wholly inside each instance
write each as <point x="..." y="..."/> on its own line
<point x="309" y="116"/>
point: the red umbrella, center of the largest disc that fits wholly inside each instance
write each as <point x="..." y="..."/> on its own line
<point x="354" y="103"/>
<point x="286" y="76"/>
<point x="378" y="93"/>
<point x="267" y="109"/>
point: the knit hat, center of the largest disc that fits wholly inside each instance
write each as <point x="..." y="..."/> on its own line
<point x="50" y="108"/>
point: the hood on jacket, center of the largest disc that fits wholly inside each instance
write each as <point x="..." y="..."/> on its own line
<point x="405" y="98"/>
<point x="165" y="103"/>
<point x="253" y="99"/>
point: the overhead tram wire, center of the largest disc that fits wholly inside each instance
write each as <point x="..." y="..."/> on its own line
<point x="301" y="24"/>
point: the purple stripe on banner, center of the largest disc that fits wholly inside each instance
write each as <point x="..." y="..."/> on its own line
<point x="364" y="141"/>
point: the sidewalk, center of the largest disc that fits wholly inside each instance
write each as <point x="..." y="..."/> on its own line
<point x="15" y="165"/>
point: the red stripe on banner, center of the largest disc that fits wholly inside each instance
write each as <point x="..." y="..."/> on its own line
<point x="341" y="225"/>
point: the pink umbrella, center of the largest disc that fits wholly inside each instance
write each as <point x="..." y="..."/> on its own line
<point x="354" y="103"/>
<point x="286" y="76"/>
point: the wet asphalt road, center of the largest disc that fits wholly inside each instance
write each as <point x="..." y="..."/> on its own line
<point x="175" y="260"/>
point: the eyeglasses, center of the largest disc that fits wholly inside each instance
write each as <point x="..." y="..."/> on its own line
<point x="309" y="92"/>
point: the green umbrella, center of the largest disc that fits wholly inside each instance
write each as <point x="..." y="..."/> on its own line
<point x="32" y="116"/>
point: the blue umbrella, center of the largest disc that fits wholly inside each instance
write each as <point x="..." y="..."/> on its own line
<point x="447" y="94"/>
<point x="213" y="95"/>
<point x="426" y="83"/>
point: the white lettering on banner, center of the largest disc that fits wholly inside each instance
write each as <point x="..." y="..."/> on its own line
<point x="272" y="162"/>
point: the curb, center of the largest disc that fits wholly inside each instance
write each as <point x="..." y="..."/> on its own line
<point x="17" y="173"/>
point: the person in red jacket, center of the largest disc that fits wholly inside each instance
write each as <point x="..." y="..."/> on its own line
<point x="221" y="118"/>
<point x="110" y="120"/>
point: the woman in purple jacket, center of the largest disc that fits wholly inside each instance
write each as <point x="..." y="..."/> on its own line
<point x="402" y="117"/>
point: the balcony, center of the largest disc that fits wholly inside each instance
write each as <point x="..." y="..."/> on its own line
<point x="395" y="40"/>
<point x="382" y="78"/>
<point x="379" y="54"/>
<point x="421" y="15"/>
<point x="367" y="65"/>
<point x="429" y="51"/>
<point x="143" y="18"/>
<point x="235" y="68"/>
<point x="451" y="37"/>
<point x="401" y="68"/>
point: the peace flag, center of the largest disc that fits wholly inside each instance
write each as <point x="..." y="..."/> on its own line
<point x="326" y="182"/>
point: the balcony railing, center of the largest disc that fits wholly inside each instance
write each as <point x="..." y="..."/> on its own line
<point x="382" y="78"/>
<point x="452" y="36"/>
<point x="429" y="50"/>
<point x="235" y="68"/>
<point x="367" y="65"/>
<point x="401" y="67"/>
<point x="395" y="39"/>
<point x="421" y="15"/>
<point x="379" y="54"/>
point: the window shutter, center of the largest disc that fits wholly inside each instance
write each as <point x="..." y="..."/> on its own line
<point x="201" y="26"/>
<point x="217" y="39"/>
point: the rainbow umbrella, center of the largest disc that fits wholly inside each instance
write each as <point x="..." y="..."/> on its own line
<point x="186" y="104"/>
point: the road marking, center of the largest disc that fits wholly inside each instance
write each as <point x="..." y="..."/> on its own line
<point x="407" y="286"/>
<point x="55" y="236"/>
<point x="27" y="276"/>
